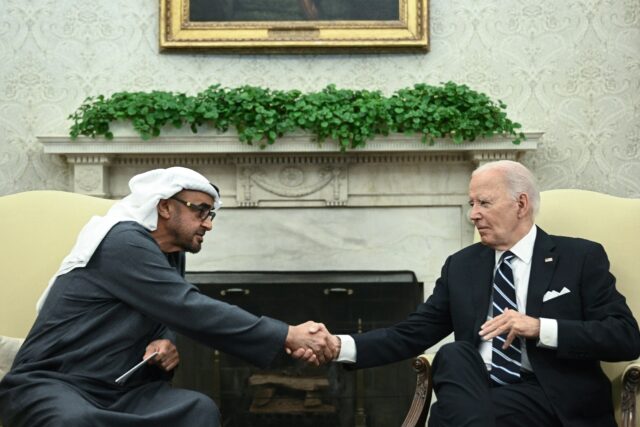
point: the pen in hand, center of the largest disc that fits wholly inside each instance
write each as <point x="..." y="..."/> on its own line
<point x="124" y="377"/>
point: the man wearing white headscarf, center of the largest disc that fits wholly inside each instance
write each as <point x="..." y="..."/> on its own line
<point x="115" y="301"/>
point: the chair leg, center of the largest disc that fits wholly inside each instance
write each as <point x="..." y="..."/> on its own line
<point x="630" y="387"/>
<point x="417" y="415"/>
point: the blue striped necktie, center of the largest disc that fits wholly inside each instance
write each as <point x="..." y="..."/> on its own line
<point x="505" y="364"/>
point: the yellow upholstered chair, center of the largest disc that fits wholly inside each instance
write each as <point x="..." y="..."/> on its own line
<point x="38" y="230"/>
<point x="615" y="223"/>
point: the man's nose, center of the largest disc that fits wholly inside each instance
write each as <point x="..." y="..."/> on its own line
<point x="207" y="223"/>
<point x="473" y="213"/>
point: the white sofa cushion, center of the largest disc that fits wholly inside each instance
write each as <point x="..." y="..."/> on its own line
<point x="8" y="349"/>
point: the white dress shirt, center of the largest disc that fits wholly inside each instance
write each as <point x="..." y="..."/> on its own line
<point x="521" y="265"/>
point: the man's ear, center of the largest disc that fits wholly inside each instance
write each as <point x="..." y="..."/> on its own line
<point x="164" y="209"/>
<point x="523" y="205"/>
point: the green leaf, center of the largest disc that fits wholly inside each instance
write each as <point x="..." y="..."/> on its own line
<point x="351" y="117"/>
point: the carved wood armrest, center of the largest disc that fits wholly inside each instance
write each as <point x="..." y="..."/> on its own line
<point x="417" y="415"/>
<point x="630" y="388"/>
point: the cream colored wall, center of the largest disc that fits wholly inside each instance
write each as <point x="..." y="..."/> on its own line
<point x="570" y="69"/>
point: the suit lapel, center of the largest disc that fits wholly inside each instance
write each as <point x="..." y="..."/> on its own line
<point x="482" y="277"/>
<point x="543" y="265"/>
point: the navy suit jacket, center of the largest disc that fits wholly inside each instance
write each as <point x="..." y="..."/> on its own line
<point x="594" y="322"/>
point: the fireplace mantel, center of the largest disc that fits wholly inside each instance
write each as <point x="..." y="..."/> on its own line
<point x="102" y="167"/>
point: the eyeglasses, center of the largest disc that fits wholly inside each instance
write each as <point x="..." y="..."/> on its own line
<point x="203" y="210"/>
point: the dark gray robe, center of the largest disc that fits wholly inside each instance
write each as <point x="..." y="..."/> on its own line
<point x="96" y="324"/>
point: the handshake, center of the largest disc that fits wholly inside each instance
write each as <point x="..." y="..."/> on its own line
<point x="311" y="342"/>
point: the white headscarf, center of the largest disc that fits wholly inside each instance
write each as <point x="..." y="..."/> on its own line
<point x="147" y="189"/>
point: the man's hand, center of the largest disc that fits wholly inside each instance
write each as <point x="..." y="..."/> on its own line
<point x="312" y="343"/>
<point x="167" y="357"/>
<point x="514" y="324"/>
<point x="306" y="355"/>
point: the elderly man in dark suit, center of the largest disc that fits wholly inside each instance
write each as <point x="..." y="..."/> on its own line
<point x="532" y="314"/>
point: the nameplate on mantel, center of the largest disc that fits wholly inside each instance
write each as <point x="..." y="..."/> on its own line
<point x="295" y="171"/>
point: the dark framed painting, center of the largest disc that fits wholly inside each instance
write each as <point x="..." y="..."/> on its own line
<point x="295" y="25"/>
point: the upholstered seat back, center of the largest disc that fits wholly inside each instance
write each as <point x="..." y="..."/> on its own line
<point x="38" y="230"/>
<point x="612" y="221"/>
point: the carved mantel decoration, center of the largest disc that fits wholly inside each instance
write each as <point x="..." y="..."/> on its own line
<point x="294" y="170"/>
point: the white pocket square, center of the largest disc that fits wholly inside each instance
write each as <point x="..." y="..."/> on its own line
<point x="555" y="294"/>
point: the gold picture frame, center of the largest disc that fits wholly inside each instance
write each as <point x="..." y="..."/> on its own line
<point x="295" y="25"/>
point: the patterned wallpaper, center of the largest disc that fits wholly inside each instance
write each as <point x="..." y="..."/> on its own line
<point x="570" y="69"/>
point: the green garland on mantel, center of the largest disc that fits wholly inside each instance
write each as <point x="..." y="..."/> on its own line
<point x="350" y="117"/>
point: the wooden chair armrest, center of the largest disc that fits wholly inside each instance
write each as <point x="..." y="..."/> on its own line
<point x="417" y="415"/>
<point x="630" y="388"/>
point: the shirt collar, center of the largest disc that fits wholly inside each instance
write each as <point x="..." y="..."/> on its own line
<point x="523" y="249"/>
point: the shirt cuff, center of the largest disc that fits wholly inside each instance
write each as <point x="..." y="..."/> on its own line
<point x="548" y="333"/>
<point x="347" y="349"/>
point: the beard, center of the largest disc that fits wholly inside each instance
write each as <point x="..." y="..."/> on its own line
<point x="192" y="245"/>
<point x="192" y="248"/>
<point x="188" y="239"/>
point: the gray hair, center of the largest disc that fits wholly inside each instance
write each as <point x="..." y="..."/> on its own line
<point x="519" y="180"/>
